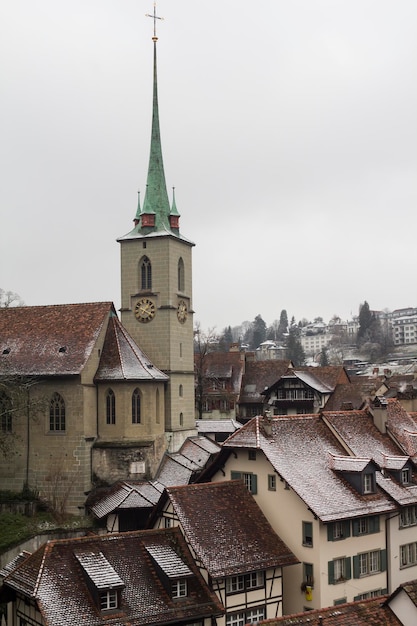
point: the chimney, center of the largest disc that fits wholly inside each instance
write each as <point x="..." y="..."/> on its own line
<point x="267" y="423"/>
<point x="379" y="414"/>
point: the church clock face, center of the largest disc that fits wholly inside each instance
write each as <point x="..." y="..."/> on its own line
<point x="145" y="310"/>
<point x="182" y="311"/>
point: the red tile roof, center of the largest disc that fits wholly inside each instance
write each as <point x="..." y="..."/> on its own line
<point x="363" y="613"/>
<point x="50" y="340"/>
<point x="225" y="541"/>
<point x="260" y="375"/>
<point x="54" y="577"/>
<point x="298" y="449"/>
<point x="122" y="359"/>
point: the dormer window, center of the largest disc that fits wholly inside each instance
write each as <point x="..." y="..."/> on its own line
<point x="368" y="483"/>
<point x="102" y="580"/>
<point x="108" y="600"/>
<point x="179" y="588"/>
<point x="405" y="476"/>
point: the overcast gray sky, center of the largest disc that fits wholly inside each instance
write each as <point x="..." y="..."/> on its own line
<point x="289" y="130"/>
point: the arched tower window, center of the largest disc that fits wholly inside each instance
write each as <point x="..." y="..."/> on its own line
<point x="57" y="413"/>
<point x="181" y="419"/>
<point x="180" y="275"/>
<point x="6" y="413"/>
<point x="145" y="273"/>
<point x="110" y="407"/>
<point x="157" y="407"/>
<point x="136" y="407"/>
<point x="181" y="391"/>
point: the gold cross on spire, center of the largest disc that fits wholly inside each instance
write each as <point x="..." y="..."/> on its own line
<point x="154" y="17"/>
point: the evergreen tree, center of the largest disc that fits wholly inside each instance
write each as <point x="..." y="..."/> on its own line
<point x="324" y="358"/>
<point x="295" y="352"/>
<point x="365" y="321"/>
<point x="283" y="325"/>
<point x="226" y="339"/>
<point x="259" y="332"/>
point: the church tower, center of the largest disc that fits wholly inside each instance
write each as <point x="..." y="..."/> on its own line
<point x="156" y="285"/>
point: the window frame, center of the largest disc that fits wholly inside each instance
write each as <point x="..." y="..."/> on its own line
<point x="409" y="512"/>
<point x="410" y="551"/>
<point x="136" y="406"/>
<point x="145" y="274"/>
<point x="57" y="414"/>
<point x="307" y="529"/>
<point x="272" y="482"/>
<point x="109" y="600"/>
<point x="179" y="588"/>
<point x="110" y="407"/>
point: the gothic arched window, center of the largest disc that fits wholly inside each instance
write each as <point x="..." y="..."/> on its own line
<point x="145" y="273"/>
<point x="110" y="407"/>
<point x="6" y="413"/>
<point x="180" y="275"/>
<point x="136" y="407"/>
<point x="57" y="413"/>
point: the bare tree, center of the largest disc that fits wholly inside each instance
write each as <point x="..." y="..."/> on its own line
<point x="203" y="345"/>
<point x="9" y="298"/>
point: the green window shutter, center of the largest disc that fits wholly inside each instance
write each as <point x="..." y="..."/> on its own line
<point x="374" y="524"/>
<point x="346" y="528"/>
<point x="330" y="567"/>
<point x="254" y="482"/>
<point x="330" y="532"/>
<point x="383" y="560"/>
<point x="355" y="527"/>
<point x="356" y="570"/>
<point x="236" y="475"/>
<point x="348" y="568"/>
<point x="356" y="598"/>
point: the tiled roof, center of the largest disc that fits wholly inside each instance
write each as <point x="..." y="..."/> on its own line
<point x="364" y="613"/>
<point x="217" y="426"/>
<point x="223" y="365"/>
<point x="124" y="495"/>
<point x="175" y="469"/>
<point x="122" y="359"/>
<point x="359" y="433"/>
<point x="344" y="395"/>
<point x="227" y="542"/>
<point x="298" y="448"/>
<point x="403" y="426"/>
<point x="329" y="375"/>
<point x="260" y="375"/>
<point x="410" y="588"/>
<point x="54" y="577"/>
<point x="99" y="570"/>
<point x="9" y="567"/>
<point x="50" y="340"/>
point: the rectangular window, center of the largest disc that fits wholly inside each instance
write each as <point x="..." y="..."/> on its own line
<point x="237" y="584"/>
<point x="408" y="554"/>
<point x="179" y="588"/>
<point x="308" y="534"/>
<point x="234" y="584"/>
<point x="235" y="619"/>
<point x="308" y="574"/>
<point x="405" y="476"/>
<point x="255" y="580"/>
<point x="369" y="562"/>
<point x="338" y="530"/>
<point x="339" y="570"/>
<point x="108" y="600"/>
<point x="252" y="455"/>
<point x="408" y="516"/>
<point x="368" y="483"/>
<point x="250" y="480"/>
<point x="272" y="482"/>
<point x="365" y="525"/>
<point x="255" y="615"/>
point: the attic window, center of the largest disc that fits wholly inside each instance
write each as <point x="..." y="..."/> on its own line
<point x="6" y="351"/>
<point x="108" y="600"/>
<point x="368" y="483"/>
<point x="179" y="588"/>
<point x="62" y="349"/>
<point x="405" y="476"/>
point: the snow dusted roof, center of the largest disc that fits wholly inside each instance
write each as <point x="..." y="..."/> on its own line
<point x="175" y="469"/>
<point x="240" y="543"/>
<point x="169" y="561"/>
<point x="54" y="577"/>
<point x="50" y="340"/>
<point x="99" y="570"/>
<point x="122" y="359"/>
<point x="217" y="426"/>
<point x="298" y="449"/>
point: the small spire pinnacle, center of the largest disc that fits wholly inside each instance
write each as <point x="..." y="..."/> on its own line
<point x="154" y="17"/>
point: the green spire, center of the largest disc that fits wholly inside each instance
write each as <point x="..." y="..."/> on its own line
<point x="174" y="210"/>
<point x="156" y="200"/>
